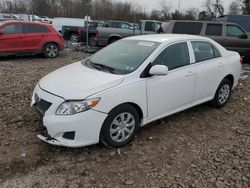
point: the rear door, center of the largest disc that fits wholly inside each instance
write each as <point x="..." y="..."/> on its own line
<point x="209" y="67"/>
<point x="34" y="35"/>
<point x="11" y="39"/>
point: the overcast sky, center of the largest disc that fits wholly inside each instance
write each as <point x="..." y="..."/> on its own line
<point x="185" y="4"/>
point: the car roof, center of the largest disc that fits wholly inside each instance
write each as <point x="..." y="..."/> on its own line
<point x="161" y="38"/>
<point x="24" y="22"/>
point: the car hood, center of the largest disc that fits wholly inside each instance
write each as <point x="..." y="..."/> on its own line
<point x="76" y="81"/>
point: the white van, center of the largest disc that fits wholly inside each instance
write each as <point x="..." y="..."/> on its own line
<point x="58" y="22"/>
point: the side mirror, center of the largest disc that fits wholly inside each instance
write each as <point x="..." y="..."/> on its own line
<point x="131" y="27"/>
<point x="244" y="36"/>
<point x="158" y="70"/>
<point x="1" y="32"/>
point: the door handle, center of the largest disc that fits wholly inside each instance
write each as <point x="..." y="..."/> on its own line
<point x="20" y="37"/>
<point x="190" y="73"/>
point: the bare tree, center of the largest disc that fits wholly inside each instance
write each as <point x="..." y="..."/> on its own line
<point x="234" y="7"/>
<point x="246" y="6"/>
<point x="191" y="14"/>
<point x="214" y="7"/>
<point x="165" y="9"/>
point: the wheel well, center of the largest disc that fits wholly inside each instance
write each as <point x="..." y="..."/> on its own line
<point x="114" y="38"/>
<point x="73" y="32"/>
<point x="137" y="107"/>
<point x="49" y="43"/>
<point x="230" y="78"/>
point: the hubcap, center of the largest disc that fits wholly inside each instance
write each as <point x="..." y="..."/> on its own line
<point x="224" y="94"/>
<point x="74" y="38"/>
<point x="122" y="127"/>
<point x="51" y="51"/>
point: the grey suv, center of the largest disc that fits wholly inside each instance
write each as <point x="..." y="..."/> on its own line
<point x="229" y="35"/>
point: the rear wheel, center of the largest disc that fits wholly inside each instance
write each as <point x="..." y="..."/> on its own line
<point x="120" y="126"/>
<point x="51" y="50"/>
<point x="74" y="37"/>
<point x="92" y="41"/>
<point x="222" y="94"/>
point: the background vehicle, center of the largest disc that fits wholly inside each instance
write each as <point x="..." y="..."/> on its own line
<point x="5" y="17"/>
<point x="45" y="19"/>
<point x="58" y="22"/>
<point x="29" y="37"/>
<point x="229" y="35"/>
<point x="131" y="83"/>
<point x="117" y="30"/>
<point x="27" y="17"/>
<point x="78" y="34"/>
<point x="241" y="20"/>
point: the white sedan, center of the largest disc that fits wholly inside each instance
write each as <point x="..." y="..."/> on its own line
<point x="110" y="95"/>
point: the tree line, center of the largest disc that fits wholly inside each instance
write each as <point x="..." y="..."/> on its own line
<point x="116" y="10"/>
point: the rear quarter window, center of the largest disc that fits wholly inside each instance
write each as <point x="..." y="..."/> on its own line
<point x="193" y="28"/>
<point x="204" y="51"/>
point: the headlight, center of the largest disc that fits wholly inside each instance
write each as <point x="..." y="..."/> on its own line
<point x="74" y="107"/>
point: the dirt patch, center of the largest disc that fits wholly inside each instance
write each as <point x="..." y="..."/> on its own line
<point x="200" y="147"/>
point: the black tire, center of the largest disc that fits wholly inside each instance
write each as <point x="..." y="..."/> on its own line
<point x="51" y="50"/>
<point x="92" y="41"/>
<point x="219" y="101"/>
<point x="107" y="138"/>
<point x="74" y="37"/>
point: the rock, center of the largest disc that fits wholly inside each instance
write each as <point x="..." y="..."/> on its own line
<point x="219" y="184"/>
<point x="112" y="153"/>
<point x="129" y="182"/>
<point x="73" y="186"/>
<point x="212" y="180"/>
<point x="23" y="155"/>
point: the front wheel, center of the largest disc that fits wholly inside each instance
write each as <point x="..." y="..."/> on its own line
<point x="222" y="94"/>
<point x="51" y="50"/>
<point x="120" y="126"/>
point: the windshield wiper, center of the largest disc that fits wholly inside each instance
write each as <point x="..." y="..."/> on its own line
<point x="100" y="67"/>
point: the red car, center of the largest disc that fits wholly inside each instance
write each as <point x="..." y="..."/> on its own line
<point x="29" y="37"/>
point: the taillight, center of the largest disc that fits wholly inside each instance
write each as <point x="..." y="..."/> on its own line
<point x="241" y="60"/>
<point x="97" y="34"/>
<point x="79" y="30"/>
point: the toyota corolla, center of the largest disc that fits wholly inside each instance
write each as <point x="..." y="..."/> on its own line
<point x="110" y="95"/>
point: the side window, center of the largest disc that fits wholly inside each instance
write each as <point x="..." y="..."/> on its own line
<point x="12" y="29"/>
<point x="214" y="29"/>
<point x="204" y="51"/>
<point x="32" y="28"/>
<point x="234" y="31"/>
<point x="125" y="26"/>
<point x="150" y="26"/>
<point x="114" y="25"/>
<point x="193" y="28"/>
<point x="158" y="26"/>
<point x="174" y="56"/>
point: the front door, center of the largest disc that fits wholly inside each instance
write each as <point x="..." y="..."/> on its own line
<point x="174" y="90"/>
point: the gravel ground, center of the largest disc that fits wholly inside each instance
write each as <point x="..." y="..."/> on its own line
<point x="200" y="147"/>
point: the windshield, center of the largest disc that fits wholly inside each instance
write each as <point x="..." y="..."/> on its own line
<point x="122" y="57"/>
